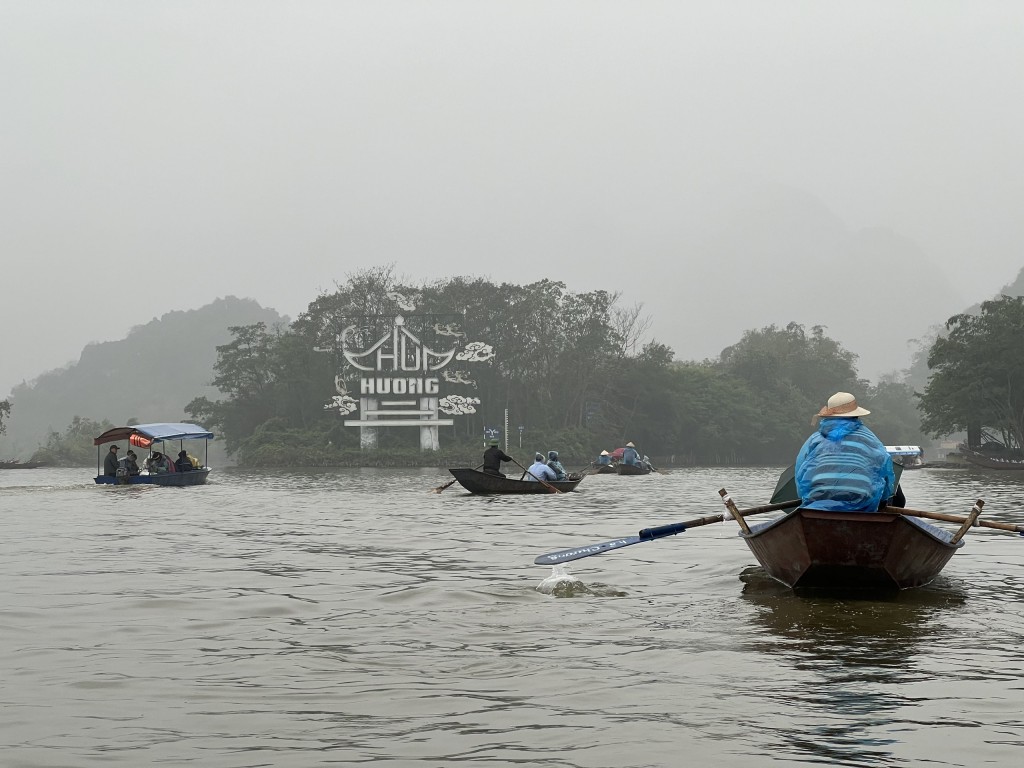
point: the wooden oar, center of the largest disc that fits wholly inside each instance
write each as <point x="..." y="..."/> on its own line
<point x="440" y="488"/>
<point x="956" y="519"/>
<point x="650" y="534"/>
<point x="549" y="486"/>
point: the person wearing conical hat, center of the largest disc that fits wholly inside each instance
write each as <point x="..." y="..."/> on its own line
<point x="604" y="459"/>
<point x="631" y="455"/>
<point x="843" y="466"/>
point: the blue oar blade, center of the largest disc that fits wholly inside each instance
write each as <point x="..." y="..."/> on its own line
<point x="578" y="553"/>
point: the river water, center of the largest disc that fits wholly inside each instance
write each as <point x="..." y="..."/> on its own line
<point x="352" y="617"/>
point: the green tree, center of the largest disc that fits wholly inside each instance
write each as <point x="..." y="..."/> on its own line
<point x="977" y="380"/>
<point x="73" y="447"/>
<point x="895" y="417"/>
<point x="5" y="412"/>
<point x="791" y="373"/>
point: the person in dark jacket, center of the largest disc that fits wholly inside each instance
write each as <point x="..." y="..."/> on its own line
<point x="493" y="457"/>
<point x="131" y="462"/>
<point x="183" y="464"/>
<point x="110" y="462"/>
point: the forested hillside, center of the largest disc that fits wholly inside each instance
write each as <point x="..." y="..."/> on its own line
<point x="150" y="375"/>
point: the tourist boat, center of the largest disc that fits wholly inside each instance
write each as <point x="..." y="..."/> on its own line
<point x="907" y="456"/>
<point x="632" y="469"/>
<point x="15" y="464"/>
<point x="147" y="436"/>
<point x="855" y="551"/>
<point x="990" y="459"/>
<point x="476" y="481"/>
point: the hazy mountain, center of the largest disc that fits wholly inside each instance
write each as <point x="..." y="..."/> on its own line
<point x="150" y="375"/>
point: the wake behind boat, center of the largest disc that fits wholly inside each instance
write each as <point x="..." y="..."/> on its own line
<point x="475" y="481"/>
<point x="148" y="436"/>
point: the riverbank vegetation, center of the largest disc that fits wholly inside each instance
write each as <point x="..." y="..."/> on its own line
<point x="577" y="373"/>
<point x="573" y="369"/>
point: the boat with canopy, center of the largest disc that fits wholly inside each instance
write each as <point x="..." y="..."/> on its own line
<point x="148" y="437"/>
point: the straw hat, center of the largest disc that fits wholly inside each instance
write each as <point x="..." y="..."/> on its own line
<point x="604" y="453"/>
<point x="844" y="405"/>
<point x="630" y="444"/>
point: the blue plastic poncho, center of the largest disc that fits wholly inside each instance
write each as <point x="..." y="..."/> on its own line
<point x="843" y="467"/>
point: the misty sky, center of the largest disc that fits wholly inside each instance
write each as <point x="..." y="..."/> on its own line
<point x="157" y="155"/>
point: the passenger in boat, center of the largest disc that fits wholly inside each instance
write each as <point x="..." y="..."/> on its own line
<point x="631" y="455"/>
<point x="110" y="462"/>
<point x="131" y="463"/>
<point x="539" y="470"/>
<point x="183" y="464"/>
<point x="604" y="459"/>
<point x="843" y="467"/>
<point x="556" y="466"/>
<point x="160" y="464"/>
<point x="493" y="457"/>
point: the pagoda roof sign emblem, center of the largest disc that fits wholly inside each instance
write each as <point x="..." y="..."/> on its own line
<point x="397" y="350"/>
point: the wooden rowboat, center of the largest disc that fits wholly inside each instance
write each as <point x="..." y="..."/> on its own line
<point x="990" y="461"/>
<point x="475" y="481"/>
<point x="631" y="469"/>
<point x="815" y="549"/>
<point x="877" y="551"/>
<point x="15" y="464"/>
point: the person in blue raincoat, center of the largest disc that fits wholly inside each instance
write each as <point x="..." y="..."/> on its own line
<point x="843" y="467"/>
<point x="539" y="470"/>
<point x="556" y="466"/>
<point x="631" y="455"/>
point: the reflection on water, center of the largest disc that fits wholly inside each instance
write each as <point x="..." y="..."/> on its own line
<point x="347" y="617"/>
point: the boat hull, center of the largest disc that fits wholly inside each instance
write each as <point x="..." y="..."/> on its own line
<point x="195" y="477"/>
<point x="850" y="551"/>
<point x="604" y="469"/>
<point x="476" y="481"/>
<point x="990" y="462"/>
<point x="630" y="469"/>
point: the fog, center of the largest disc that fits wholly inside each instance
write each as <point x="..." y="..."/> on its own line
<point x="728" y="164"/>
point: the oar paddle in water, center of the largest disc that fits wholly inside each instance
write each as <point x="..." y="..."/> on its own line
<point x="548" y="485"/>
<point x="649" y="534"/>
<point x="440" y="488"/>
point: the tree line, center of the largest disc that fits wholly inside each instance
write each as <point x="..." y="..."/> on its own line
<point x="577" y="372"/>
<point x="573" y="369"/>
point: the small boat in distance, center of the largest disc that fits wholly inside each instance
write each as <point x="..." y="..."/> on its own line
<point x="146" y="436"/>
<point x="15" y="464"/>
<point x="908" y="456"/>
<point x="475" y="481"/>
<point x="991" y="456"/>
<point x="632" y="469"/>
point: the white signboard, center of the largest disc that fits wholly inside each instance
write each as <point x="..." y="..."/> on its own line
<point x="400" y="381"/>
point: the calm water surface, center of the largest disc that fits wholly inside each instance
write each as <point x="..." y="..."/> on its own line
<point x="353" y="618"/>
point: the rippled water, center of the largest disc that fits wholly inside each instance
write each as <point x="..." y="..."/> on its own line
<point x="352" y="617"/>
